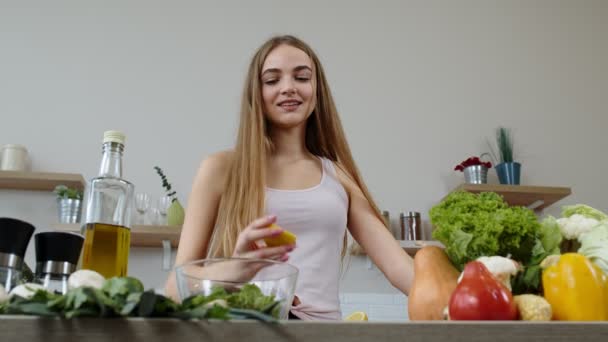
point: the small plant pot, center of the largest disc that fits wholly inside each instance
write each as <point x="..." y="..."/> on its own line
<point x="476" y="174"/>
<point x="508" y="173"/>
<point x="68" y="210"/>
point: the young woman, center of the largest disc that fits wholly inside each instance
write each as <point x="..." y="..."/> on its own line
<point x="291" y="165"/>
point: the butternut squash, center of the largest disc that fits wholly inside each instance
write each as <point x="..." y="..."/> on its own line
<point x="435" y="279"/>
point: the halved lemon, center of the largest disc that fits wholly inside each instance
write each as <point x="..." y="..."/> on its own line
<point x="357" y="316"/>
<point x="285" y="238"/>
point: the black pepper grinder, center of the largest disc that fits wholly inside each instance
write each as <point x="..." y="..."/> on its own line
<point x="57" y="256"/>
<point x="15" y="235"/>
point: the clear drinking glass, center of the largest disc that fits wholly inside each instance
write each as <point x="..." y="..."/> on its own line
<point x="154" y="216"/>
<point x="142" y="204"/>
<point x="163" y="205"/>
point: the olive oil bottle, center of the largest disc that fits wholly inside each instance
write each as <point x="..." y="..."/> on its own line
<point x="107" y="213"/>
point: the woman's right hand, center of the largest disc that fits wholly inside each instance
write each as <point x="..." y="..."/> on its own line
<point x="237" y="271"/>
<point x="246" y="243"/>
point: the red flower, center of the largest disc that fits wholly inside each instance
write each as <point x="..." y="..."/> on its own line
<point x="470" y="162"/>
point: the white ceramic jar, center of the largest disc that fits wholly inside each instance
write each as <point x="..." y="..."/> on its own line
<point x="14" y="157"/>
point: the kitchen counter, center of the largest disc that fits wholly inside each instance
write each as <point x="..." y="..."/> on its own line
<point x="34" y="329"/>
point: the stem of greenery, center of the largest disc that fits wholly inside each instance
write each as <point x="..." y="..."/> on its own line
<point x="504" y="142"/>
<point x="166" y="184"/>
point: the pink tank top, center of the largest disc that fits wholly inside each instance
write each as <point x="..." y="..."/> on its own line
<point x="318" y="217"/>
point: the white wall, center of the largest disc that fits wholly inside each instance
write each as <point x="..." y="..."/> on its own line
<point x="420" y="85"/>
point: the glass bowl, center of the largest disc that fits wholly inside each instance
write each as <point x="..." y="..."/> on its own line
<point x="273" y="278"/>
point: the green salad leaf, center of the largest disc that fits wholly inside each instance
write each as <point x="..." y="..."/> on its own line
<point x="125" y="296"/>
<point x="585" y="210"/>
<point x="250" y="297"/>
<point x="547" y="242"/>
<point x="594" y="245"/>
<point x="473" y="225"/>
<point x="36" y="305"/>
<point x="122" y="286"/>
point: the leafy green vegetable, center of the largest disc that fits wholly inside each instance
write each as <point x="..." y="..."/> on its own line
<point x="473" y="225"/>
<point x="122" y="286"/>
<point x="36" y="305"/>
<point x="249" y="297"/>
<point x="547" y="243"/>
<point x="504" y="141"/>
<point x="594" y="245"/>
<point x="126" y="297"/>
<point x="550" y="236"/>
<point x="87" y="301"/>
<point x="584" y="210"/>
<point x="63" y="191"/>
<point x="199" y="300"/>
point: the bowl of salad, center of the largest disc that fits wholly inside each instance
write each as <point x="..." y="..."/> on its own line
<point x="262" y="285"/>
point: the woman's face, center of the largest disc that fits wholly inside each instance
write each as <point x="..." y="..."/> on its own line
<point x="288" y="86"/>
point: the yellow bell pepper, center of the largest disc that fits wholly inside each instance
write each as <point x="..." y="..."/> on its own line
<point x="575" y="287"/>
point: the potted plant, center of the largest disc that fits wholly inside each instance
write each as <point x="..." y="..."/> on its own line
<point x="69" y="202"/>
<point x="475" y="170"/>
<point x="175" y="212"/>
<point x="508" y="170"/>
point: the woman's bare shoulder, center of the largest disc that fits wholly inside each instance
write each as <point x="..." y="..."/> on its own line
<point x="215" y="168"/>
<point x="347" y="180"/>
<point x="219" y="160"/>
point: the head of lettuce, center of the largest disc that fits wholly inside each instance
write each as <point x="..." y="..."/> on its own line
<point x="474" y="225"/>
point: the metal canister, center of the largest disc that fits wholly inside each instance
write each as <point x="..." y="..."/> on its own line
<point x="411" y="227"/>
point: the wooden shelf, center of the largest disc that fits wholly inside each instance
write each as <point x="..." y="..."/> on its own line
<point x="410" y="247"/>
<point x="141" y="236"/>
<point x="533" y="197"/>
<point x="41" y="181"/>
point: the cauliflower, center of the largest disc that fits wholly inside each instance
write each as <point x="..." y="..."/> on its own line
<point x="502" y="268"/>
<point x="533" y="308"/>
<point x="86" y="278"/>
<point x="573" y="226"/>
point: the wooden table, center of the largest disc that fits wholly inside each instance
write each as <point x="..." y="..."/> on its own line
<point x="20" y="328"/>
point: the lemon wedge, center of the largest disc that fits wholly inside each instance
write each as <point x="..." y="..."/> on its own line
<point x="285" y="238"/>
<point x="357" y="316"/>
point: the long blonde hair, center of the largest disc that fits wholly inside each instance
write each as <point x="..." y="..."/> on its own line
<point x="244" y="197"/>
